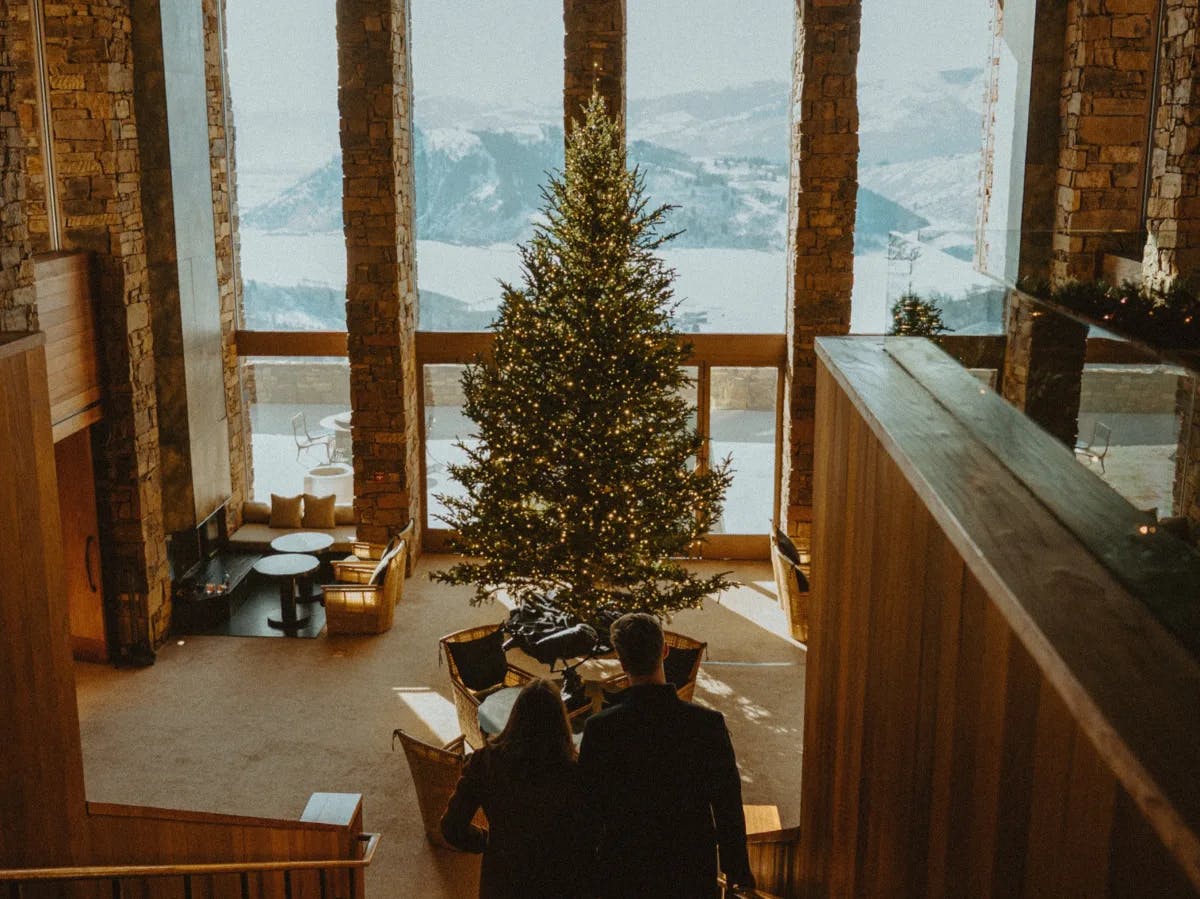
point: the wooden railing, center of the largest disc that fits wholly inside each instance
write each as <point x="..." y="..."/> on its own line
<point x="772" y="862"/>
<point x="253" y="879"/>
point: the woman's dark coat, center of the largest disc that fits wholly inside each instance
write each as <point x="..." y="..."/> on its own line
<point x="535" y="845"/>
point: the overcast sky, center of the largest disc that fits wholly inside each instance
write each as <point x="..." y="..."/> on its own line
<point x="283" y="62"/>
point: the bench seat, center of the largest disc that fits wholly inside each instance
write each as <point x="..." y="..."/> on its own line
<point x="256" y="534"/>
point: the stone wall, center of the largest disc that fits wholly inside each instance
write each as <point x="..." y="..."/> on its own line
<point x="1104" y="105"/>
<point x="1173" y="208"/>
<point x="375" y="100"/>
<point x="229" y="276"/>
<point x="594" y="57"/>
<point x="18" y="309"/>
<point x="823" y="189"/>
<point x="90" y="61"/>
<point x="1043" y="366"/>
<point x="297" y="382"/>
<point x="25" y="99"/>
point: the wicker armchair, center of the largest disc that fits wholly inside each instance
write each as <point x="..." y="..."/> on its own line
<point x="681" y="666"/>
<point x="365" y="608"/>
<point x="435" y="772"/>
<point x="791" y="583"/>
<point x="478" y="667"/>
<point x="358" y="567"/>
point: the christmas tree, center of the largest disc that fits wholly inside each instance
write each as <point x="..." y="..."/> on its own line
<point x="583" y="485"/>
<point x="913" y="316"/>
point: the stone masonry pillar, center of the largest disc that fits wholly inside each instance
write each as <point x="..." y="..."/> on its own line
<point x="593" y="57"/>
<point x="18" y="309"/>
<point x="1103" y="99"/>
<point x="89" y="54"/>
<point x="823" y="189"/>
<point x="1105" y="102"/>
<point x="1173" y="210"/>
<point x="375" y="99"/>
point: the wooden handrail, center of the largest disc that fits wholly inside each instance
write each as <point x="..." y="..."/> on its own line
<point x="190" y="870"/>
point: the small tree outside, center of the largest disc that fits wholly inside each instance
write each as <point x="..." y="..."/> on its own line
<point x="914" y="316"/>
<point x="583" y="485"/>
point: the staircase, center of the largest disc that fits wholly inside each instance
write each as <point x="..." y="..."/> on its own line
<point x="320" y="879"/>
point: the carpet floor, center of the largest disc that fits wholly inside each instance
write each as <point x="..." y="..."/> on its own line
<point x="253" y="726"/>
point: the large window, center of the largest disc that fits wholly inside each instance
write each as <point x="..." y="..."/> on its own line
<point x="708" y="91"/>
<point x="487" y="122"/>
<point x="299" y="410"/>
<point x="922" y="72"/>
<point x="283" y="88"/>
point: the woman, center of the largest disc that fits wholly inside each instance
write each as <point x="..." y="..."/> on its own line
<point x="525" y="780"/>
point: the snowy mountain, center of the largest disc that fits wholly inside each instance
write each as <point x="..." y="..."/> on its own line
<point x="721" y="157"/>
<point x="478" y="188"/>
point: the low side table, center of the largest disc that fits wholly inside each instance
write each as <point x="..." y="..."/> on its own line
<point x="310" y="542"/>
<point x="285" y="568"/>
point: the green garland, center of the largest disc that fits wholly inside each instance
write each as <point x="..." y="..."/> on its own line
<point x="1168" y="319"/>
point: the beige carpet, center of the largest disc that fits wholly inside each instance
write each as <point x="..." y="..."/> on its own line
<point x="254" y="725"/>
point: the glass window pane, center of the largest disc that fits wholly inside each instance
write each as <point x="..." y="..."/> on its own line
<point x="921" y="139"/>
<point x="708" y="126"/>
<point x="445" y="425"/>
<point x="1134" y="424"/>
<point x="299" y="408"/>
<point x="743" y="404"/>
<point x="487" y="115"/>
<point x="283" y="88"/>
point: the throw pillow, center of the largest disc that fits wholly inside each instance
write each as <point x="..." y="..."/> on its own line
<point x="256" y="513"/>
<point x="787" y="547"/>
<point x="285" y="511"/>
<point x="318" y="511"/>
<point x="380" y="572"/>
<point x="677" y="666"/>
<point x="481" y="663"/>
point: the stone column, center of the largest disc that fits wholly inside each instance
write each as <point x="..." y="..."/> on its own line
<point x="18" y="308"/>
<point x="593" y="57"/>
<point x="1043" y="359"/>
<point x="375" y="99"/>
<point x="821" y="210"/>
<point x="1043" y="367"/>
<point x="1105" y="102"/>
<point x="90" y="60"/>
<point x="1097" y="108"/>
<point x="18" y="23"/>
<point x="1173" y="210"/>
<point x="229" y="275"/>
<point x="1042" y="139"/>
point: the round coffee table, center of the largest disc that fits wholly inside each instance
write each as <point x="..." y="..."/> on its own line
<point x="302" y="542"/>
<point x="285" y="568"/>
<point x="309" y="542"/>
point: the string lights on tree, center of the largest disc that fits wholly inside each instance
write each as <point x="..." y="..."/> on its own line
<point x="914" y="316"/>
<point x="581" y="483"/>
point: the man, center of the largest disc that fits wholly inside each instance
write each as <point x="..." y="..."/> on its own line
<point x="661" y="783"/>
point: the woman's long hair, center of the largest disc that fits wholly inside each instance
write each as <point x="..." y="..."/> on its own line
<point x="537" y="737"/>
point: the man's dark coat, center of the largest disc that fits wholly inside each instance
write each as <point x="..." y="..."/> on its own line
<point x="661" y="785"/>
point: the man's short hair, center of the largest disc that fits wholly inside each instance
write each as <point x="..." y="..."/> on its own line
<point x="638" y="640"/>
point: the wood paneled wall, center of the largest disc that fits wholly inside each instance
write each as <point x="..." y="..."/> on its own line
<point x="41" y="775"/>
<point x="64" y="296"/>
<point x="989" y="712"/>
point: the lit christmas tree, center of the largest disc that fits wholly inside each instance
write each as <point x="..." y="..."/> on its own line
<point x="913" y="316"/>
<point x="583" y="483"/>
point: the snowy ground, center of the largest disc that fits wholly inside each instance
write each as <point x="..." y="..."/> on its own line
<point x="747" y="436"/>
